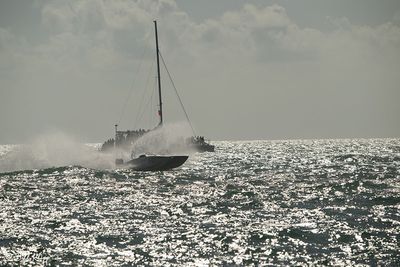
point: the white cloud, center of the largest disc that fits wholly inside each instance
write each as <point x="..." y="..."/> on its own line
<point x="251" y="16"/>
<point x="119" y="29"/>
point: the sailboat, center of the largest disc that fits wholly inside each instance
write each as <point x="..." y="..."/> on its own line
<point x="125" y="139"/>
<point x="150" y="162"/>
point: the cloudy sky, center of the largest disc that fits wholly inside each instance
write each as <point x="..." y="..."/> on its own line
<point x="244" y="69"/>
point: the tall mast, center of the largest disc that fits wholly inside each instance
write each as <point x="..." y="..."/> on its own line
<point x="160" y="112"/>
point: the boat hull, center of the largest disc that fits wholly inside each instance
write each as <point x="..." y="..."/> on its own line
<point x="155" y="163"/>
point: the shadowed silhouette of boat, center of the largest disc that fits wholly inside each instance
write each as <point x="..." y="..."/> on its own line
<point x="148" y="162"/>
<point x="125" y="139"/>
<point x="153" y="163"/>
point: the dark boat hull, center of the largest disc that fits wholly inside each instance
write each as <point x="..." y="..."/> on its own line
<point x="155" y="163"/>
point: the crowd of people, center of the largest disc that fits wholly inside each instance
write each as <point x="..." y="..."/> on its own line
<point x="196" y="140"/>
<point x="125" y="140"/>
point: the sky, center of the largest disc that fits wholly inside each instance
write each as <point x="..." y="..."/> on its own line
<point x="244" y="70"/>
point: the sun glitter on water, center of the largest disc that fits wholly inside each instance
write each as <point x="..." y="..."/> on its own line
<point x="323" y="202"/>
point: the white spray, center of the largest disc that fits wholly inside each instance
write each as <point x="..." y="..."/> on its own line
<point x="170" y="139"/>
<point x="54" y="150"/>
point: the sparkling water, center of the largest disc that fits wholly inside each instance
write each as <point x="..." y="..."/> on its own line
<point x="312" y="202"/>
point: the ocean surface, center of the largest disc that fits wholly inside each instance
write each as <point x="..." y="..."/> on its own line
<point x="267" y="203"/>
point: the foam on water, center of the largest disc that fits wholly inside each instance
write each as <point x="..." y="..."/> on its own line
<point x="263" y="202"/>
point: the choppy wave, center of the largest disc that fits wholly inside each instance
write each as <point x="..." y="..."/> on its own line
<point x="315" y="202"/>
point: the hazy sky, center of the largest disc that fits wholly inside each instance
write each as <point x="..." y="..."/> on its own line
<point x="244" y="69"/>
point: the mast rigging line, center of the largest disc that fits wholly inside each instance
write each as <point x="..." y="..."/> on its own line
<point x="139" y="111"/>
<point x="132" y="85"/>
<point x="141" y="117"/>
<point x="176" y="92"/>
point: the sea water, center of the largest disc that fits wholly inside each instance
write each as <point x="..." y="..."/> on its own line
<point x="312" y="202"/>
